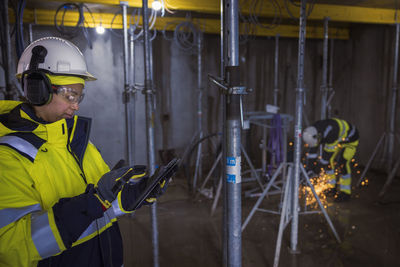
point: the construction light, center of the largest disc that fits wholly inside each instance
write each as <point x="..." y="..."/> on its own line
<point x="156" y="5"/>
<point x="100" y="29"/>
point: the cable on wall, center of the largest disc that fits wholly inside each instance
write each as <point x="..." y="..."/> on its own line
<point x="184" y="35"/>
<point x="81" y="25"/>
<point x="19" y="27"/>
<point x="134" y="27"/>
<point x="288" y="3"/>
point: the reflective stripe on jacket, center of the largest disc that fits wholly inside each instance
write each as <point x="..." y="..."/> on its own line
<point x="42" y="164"/>
<point x="341" y="135"/>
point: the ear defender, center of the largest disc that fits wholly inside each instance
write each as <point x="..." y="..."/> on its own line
<point x="36" y="85"/>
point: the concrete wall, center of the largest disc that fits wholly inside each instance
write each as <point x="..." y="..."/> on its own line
<point x="361" y="79"/>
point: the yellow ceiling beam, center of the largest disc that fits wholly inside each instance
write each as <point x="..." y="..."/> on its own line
<point x="340" y="13"/>
<point x="46" y="17"/>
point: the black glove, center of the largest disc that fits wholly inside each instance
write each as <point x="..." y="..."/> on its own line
<point x="127" y="197"/>
<point x="157" y="192"/>
<point x="161" y="188"/>
<point x="132" y="190"/>
<point x="112" y="182"/>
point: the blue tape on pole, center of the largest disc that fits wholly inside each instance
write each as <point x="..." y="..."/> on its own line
<point x="230" y="161"/>
<point x="231" y="178"/>
<point x="233" y="169"/>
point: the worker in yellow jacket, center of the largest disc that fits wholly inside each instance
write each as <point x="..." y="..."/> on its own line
<point x="340" y="140"/>
<point x="59" y="201"/>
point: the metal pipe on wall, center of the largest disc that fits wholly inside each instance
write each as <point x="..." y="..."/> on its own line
<point x="133" y="94"/>
<point x="330" y="83"/>
<point x="394" y="102"/>
<point x="298" y="126"/>
<point x="198" y="168"/>
<point x="126" y="93"/>
<point x="30" y="32"/>
<point x="150" y="116"/>
<point x="6" y="52"/>
<point x="276" y="71"/>
<point x="324" y="85"/>
<point x="233" y="135"/>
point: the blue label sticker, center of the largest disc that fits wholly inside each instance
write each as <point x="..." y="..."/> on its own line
<point x="230" y="161"/>
<point x="231" y="178"/>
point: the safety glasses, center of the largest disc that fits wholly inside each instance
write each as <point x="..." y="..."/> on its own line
<point x="69" y="94"/>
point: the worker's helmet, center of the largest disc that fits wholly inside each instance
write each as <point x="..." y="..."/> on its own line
<point x="51" y="55"/>
<point x="310" y="136"/>
<point x="63" y="58"/>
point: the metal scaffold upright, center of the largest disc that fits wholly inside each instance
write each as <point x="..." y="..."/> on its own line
<point x="276" y="71"/>
<point x="298" y="123"/>
<point x="232" y="125"/>
<point x="388" y="139"/>
<point x="128" y="86"/>
<point x="149" y="98"/>
<point x="324" y="84"/>
<point x="232" y="143"/>
<point x="198" y="168"/>
<point x="12" y="87"/>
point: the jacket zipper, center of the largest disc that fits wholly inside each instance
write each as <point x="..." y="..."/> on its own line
<point x="78" y="162"/>
<point x="75" y="157"/>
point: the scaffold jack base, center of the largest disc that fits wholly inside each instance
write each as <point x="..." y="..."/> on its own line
<point x="287" y="212"/>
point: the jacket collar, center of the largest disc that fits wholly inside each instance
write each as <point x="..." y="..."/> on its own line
<point x="20" y="117"/>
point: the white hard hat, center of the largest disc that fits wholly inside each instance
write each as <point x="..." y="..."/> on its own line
<point x="63" y="57"/>
<point x="310" y="136"/>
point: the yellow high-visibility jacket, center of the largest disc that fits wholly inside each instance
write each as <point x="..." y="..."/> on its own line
<point x="48" y="213"/>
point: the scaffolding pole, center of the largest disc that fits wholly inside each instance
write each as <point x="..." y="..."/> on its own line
<point x="127" y="87"/>
<point x="394" y="101"/>
<point x="391" y="170"/>
<point x="276" y="71"/>
<point x="388" y="139"/>
<point x="6" y="52"/>
<point x="149" y="98"/>
<point x="198" y="168"/>
<point x="324" y="85"/>
<point x="133" y="95"/>
<point x="233" y="134"/>
<point x="298" y="126"/>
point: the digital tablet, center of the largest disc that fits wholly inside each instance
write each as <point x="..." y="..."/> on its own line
<point x="164" y="172"/>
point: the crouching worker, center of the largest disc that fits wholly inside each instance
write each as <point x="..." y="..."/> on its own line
<point x="59" y="201"/>
<point x="340" y="140"/>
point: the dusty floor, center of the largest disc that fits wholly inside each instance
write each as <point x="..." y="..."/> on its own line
<point x="190" y="236"/>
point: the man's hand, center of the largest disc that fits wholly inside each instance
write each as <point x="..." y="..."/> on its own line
<point x="157" y="192"/>
<point x="112" y="182"/>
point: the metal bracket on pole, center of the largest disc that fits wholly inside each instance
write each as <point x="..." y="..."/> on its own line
<point x="225" y="89"/>
<point x="232" y="90"/>
<point x="148" y="91"/>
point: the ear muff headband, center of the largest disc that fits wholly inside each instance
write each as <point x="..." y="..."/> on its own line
<point x="37" y="87"/>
